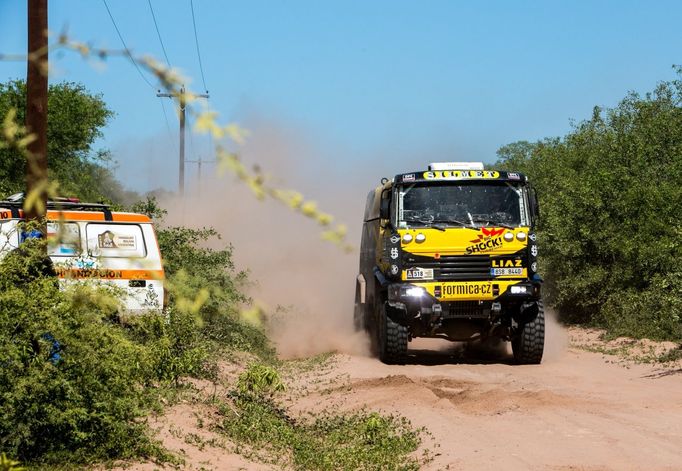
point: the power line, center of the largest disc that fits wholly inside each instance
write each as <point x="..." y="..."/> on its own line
<point x="201" y="68"/>
<point x="158" y="33"/>
<point x="196" y="41"/>
<point x="130" y="56"/>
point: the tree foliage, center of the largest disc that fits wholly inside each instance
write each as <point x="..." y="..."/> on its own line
<point x="610" y="231"/>
<point x="75" y="122"/>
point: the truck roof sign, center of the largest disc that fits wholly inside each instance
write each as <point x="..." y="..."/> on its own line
<point x="459" y="175"/>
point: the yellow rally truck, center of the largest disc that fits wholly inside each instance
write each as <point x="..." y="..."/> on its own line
<point x="451" y="253"/>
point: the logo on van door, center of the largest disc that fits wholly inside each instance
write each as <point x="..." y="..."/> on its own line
<point x="109" y="240"/>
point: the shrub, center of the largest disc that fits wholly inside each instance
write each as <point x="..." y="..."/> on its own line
<point x="70" y="381"/>
<point x="610" y="235"/>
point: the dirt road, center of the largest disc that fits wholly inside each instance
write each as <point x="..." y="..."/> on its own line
<point x="577" y="411"/>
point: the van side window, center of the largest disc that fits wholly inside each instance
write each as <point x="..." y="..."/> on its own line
<point x="116" y="240"/>
<point x="63" y="239"/>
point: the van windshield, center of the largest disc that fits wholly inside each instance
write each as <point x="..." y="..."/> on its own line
<point x="465" y="204"/>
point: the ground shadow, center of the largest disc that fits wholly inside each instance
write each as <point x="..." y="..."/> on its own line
<point x="458" y="353"/>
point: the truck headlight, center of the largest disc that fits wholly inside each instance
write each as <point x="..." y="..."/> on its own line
<point x="415" y="292"/>
<point x="518" y="290"/>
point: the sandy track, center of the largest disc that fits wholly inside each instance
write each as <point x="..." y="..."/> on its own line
<point x="576" y="411"/>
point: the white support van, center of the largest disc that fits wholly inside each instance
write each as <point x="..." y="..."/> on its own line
<point x="90" y="242"/>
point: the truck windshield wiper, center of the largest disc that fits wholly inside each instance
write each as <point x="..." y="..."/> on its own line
<point x="426" y="223"/>
<point x="493" y="223"/>
<point x="451" y="221"/>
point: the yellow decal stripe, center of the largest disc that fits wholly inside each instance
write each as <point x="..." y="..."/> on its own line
<point x="468" y="291"/>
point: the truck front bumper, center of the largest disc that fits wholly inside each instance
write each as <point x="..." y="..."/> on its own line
<point x="428" y="298"/>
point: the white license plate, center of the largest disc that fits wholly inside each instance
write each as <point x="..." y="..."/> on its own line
<point x="506" y="271"/>
<point x="419" y="274"/>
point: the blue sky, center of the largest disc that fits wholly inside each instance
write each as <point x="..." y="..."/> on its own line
<point x="392" y="82"/>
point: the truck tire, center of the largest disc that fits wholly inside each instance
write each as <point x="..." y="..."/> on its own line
<point x="392" y="339"/>
<point x="529" y="342"/>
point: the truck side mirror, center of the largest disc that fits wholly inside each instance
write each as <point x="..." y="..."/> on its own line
<point x="535" y="207"/>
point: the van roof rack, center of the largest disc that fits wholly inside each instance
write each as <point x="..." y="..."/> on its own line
<point x="16" y="202"/>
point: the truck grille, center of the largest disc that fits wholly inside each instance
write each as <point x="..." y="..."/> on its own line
<point x="454" y="267"/>
<point x="466" y="309"/>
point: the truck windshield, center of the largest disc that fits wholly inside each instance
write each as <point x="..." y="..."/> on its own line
<point x="466" y="204"/>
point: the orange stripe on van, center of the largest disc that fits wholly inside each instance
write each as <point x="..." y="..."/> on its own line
<point x="83" y="216"/>
<point x="109" y="274"/>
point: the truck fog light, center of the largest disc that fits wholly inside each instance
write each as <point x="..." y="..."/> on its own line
<point x="415" y="292"/>
<point x="407" y="238"/>
<point x="534" y="266"/>
<point x="521" y="236"/>
<point x="518" y="290"/>
<point x="509" y="237"/>
<point x="394" y="269"/>
<point x="420" y="238"/>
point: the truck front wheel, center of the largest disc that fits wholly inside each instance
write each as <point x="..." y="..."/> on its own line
<point x="529" y="342"/>
<point x="392" y="338"/>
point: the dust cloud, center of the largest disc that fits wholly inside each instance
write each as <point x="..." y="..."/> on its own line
<point x="305" y="284"/>
<point x="556" y="337"/>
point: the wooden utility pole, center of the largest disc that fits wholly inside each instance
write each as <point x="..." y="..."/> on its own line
<point x="199" y="163"/>
<point x="36" y="104"/>
<point x="182" y="102"/>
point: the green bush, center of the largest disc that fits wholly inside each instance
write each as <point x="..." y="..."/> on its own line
<point x="610" y="234"/>
<point x="70" y="381"/>
<point x="75" y="383"/>
<point x="259" y="380"/>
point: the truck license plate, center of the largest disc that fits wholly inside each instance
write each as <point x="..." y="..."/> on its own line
<point x="419" y="274"/>
<point x="506" y="271"/>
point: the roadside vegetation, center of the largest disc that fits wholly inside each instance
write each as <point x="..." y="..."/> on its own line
<point x="610" y="230"/>
<point x="251" y="415"/>
<point x="76" y="383"/>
